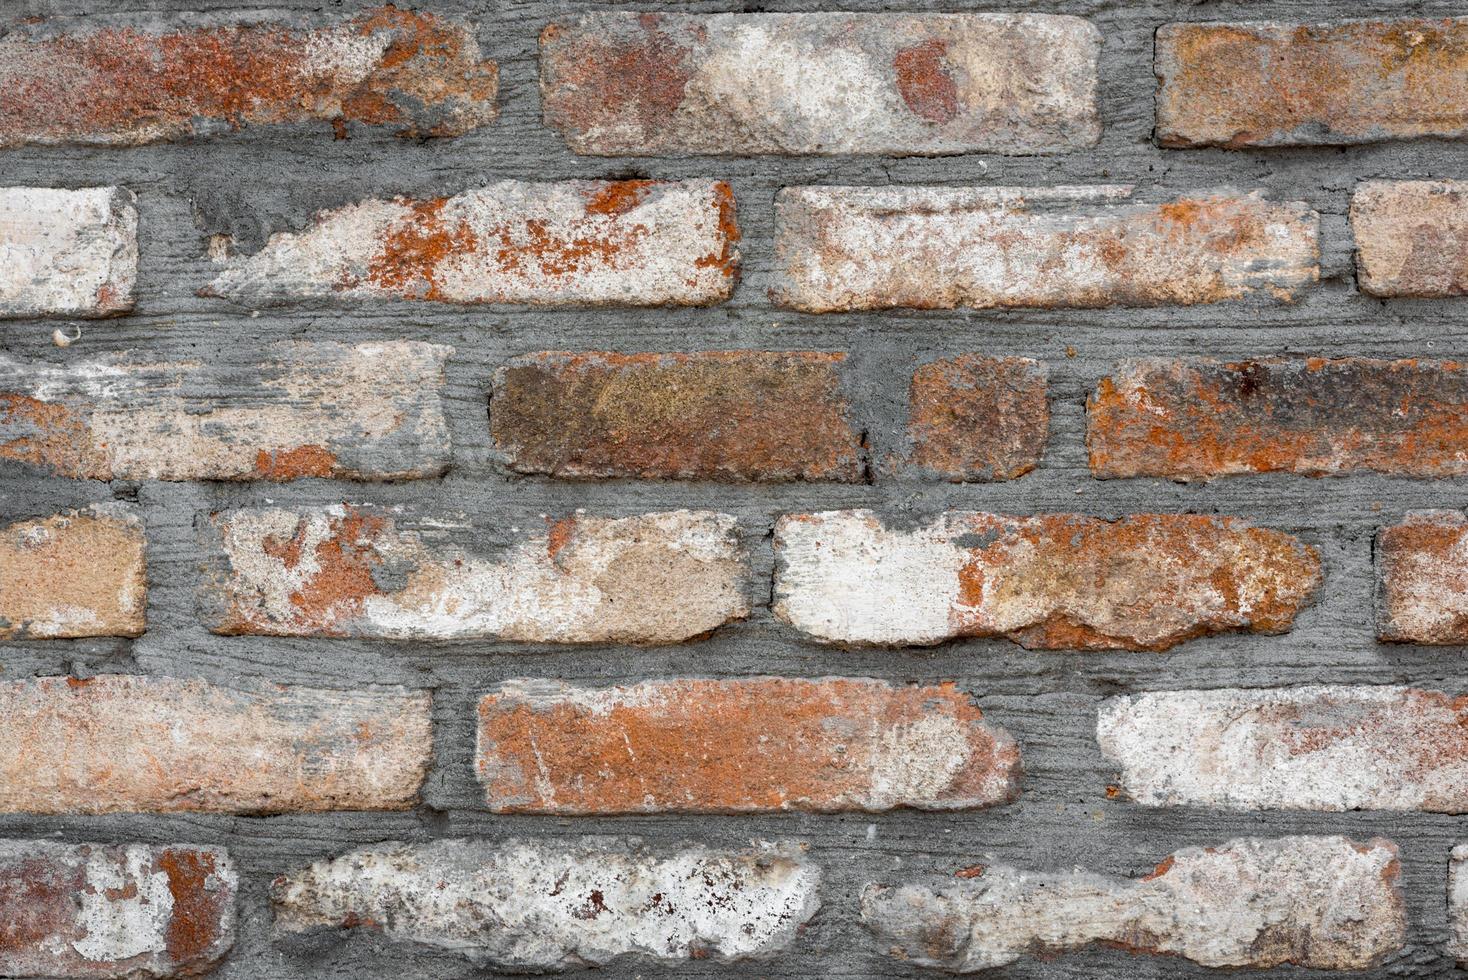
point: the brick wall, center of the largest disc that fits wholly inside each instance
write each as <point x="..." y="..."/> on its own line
<point x="515" y="487"/>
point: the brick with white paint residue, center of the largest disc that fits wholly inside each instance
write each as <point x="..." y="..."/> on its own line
<point x="1411" y="237"/>
<point x="1458" y="903"/>
<point x="67" y="253"/>
<point x="80" y="573"/>
<point x="1422" y="579"/>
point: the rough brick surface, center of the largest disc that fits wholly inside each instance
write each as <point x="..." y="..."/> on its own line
<point x="1201" y="418"/>
<point x="1411" y="236"/>
<point x="1055" y="581"/>
<point x="66" y="253"/>
<point x="81" y="573"/>
<point x="740" y="746"/>
<point x="721" y="415"/>
<point x="365" y="412"/>
<point x="1458" y="903"/>
<point x="1422" y="579"/>
<point x="868" y="248"/>
<point x="553" y="905"/>
<point x="102" y="910"/>
<point x="976" y="419"/>
<point x="580" y="243"/>
<point x="1276" y="84"/>
<point x="116" y="743"/>
<point x="1301" y="748"/>
<point x="1323" y="902"/>
<point x="126" y="85"/>
<point x="632" y="83"/>
<point x="346" y="571"/>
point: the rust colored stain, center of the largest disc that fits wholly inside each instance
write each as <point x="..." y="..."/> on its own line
<point x="733" y="415"/>
<point x="1161" y="869"/>
<point x="293" y="464"/>
<point x="924" y="81"/>
<point x="619" y="196"/>
<point x="976" y="419"/>
<point x="726" y="261"/>
<point x="559" y="534"/>
<point x="413" y="251"/>
<point x="974" y="871"/>
<point x="37" y="898"/>
<point x="198" y="908"/>
<point x="50" y="436"/>
<point x="1422" y="578"/>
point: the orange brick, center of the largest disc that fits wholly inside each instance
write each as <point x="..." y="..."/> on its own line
<point x="76" y="574"/>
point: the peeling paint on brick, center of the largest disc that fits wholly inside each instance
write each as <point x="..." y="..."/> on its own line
<point x="81" y="573"/>
<point x="977" y="419"/>
<point x="1411" y="237"/>
<point x="555" y="905"/>
<point x="1327" y="903"/>
<point x="1049" y="582"/>
<point x="1422" y="579"/>
<point x="66" y="253"/>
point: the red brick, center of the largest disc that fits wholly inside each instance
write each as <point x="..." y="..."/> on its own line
<point x="81" y="573"/>
<point x="975" y="419"/>
<point x="1411" y="237"/>
<point x="1422" y="579"/>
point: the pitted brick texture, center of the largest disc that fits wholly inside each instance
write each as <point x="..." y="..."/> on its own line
<point x="1458" y="904"/>
<point x="67" y="253"/>
<point x="1422" y="579"/>
<point x="977" y="419"/>
<point x="740" y="746"/>
<point x="81" y="573"/>
<point x="1411" y="236"/>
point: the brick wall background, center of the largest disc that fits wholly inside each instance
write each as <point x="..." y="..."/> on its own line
<point x="267" y="179"/>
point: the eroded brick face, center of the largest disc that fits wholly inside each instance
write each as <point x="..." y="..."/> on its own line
<point x="635" y="83"/>
<point x="1458" y="904"/>
<point x="1299" y="748"/>
<point x="1328" y="903"/>
<point x="81" y="573"/>
<point x="347" y="571"/>
<point x="1201" y="418"/>
<point x="1050" y="582"/>
<point x="870" y="248"/>
<point x="721" y="415"/>
<point x="1279" y="84"/>
<point x="574" y="243"/>
<point x="1411" y="237"/>
<point x="555" y="905"/>
<point x="977" y="419"/>
<point x="103" y="910"/>
<point x="1422" y="579"/>
<point x="756" y="745"/>
<point x="66" y="253"/>
<point x="117" y="744"/>
<point x="127" y="85"/>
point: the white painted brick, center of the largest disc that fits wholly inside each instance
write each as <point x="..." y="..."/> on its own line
<point x="67" y="253"/>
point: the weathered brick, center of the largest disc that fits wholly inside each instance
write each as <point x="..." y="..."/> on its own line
<point x="110" y="84"/>
<point x="1458" y="904"/>
<point x="868" y="248"/>
<point x="1049" y="582"/>
<point x="1300" y="748"/>
<point x="1328" y="903"/>
<point x="554" y="905"/>
<point x="635" y="83"/>
<point x="1277" y="84"/>
<point x="81" y="573"/>
<point x="1200" y="418"/>
<point x="348" y="571"/>
<point x="1411" y="237"/>
<point x="105" y="910"/>
<point x="975" y="419"/>
<point x="369" y="412"/>
<point x="1422" y="579"/>
<point x="66" y="253"/>
<point x="114" y="743"/>
<point x="721" y="415"/>
<point x="756" y="745"/>
<point x="580" y="242"/>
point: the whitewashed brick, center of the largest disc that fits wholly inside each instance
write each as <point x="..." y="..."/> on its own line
<point x="67" y="253"/>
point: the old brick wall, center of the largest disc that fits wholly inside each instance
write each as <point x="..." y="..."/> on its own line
<point x="329" y="513"/>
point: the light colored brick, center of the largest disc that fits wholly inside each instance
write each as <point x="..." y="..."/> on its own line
<point x="1289" y="84"/>
<point x="576" y="243"/>
<point x="1458" y="904"/>
<point x="636" y="83"/>
<point x="939" y="248"/>
<point x="755" y="745"/>
<point x="116" y="744"/>
<point x="1298" y="748"/>
<point x="977" y="419"/>
<point x="1050" y="582"/>
<point x="66" y="253"/>
<point x="369" y="412"/>
<point x="105" y="910"/>
<point x="1422" y="579"/>
<point x="717" y="415"/>
<point x="109" y="83"/>
<point x="81" y="573"/>
<point x="555" y="905"/>
<point x="346" y="571"/>
<point x="1411" y="236"/>
<point x="1327" y="903"/>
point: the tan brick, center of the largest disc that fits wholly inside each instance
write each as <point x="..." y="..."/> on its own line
<point x="1458" y="904"/>
<point x="81" y="573"/>
<point x="639" y="83"/>
<point x="1285" y="84"/>
<point x="756" y="745"/>
<point x="868" y="248"/>
<point x="1411" y="237"/>
<point x="105" y="910"/>
<point x="108" y="84"/>
<point x="1328" y="903"/>
<point x="115" y="744"/>
<point x="573" y="243"/>
<point x="1050" y="582"/>
<point x="347" y="571"/>
<point x="976" y="419"/>
<point x="66" y="253"/>
<point x="369" y="412"/>
<point x="1298" y="748"/>
<point x="1422" y="579"/>
<point x="720" y="415"/>
<point x="1201" y="418"/>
